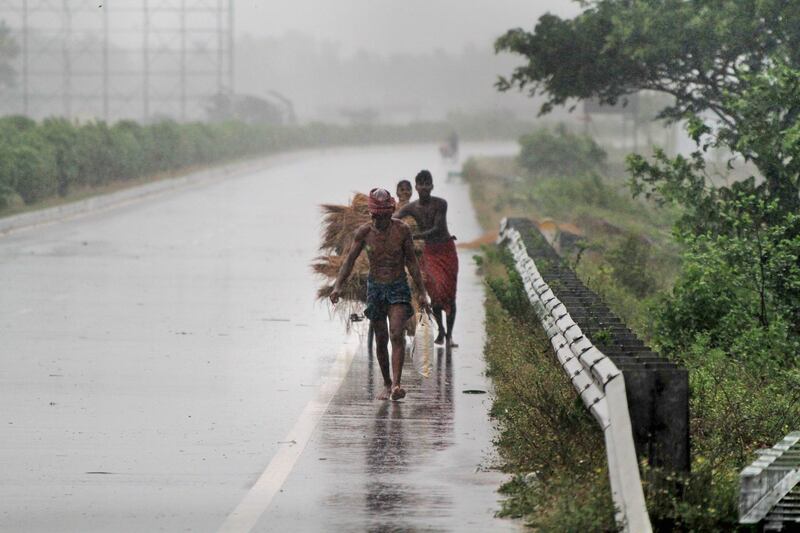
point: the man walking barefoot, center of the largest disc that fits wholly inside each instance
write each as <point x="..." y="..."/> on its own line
<point x="390" y="250"/>
<point x="439" y="257"/>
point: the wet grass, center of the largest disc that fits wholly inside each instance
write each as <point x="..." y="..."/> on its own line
<point x="622" y="249"/>
<point x="626" y="254"/>
<point x="611" y="227"/>
<point x="545" y="437"/>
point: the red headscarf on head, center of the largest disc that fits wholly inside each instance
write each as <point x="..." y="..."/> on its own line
<point x="380" y="202"/>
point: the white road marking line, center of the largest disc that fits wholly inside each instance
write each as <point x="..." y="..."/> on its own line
<point x="256" y="501"/>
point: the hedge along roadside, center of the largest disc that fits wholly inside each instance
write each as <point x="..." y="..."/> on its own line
<point x="57" y="156"/>
<point x="103" y="200"/>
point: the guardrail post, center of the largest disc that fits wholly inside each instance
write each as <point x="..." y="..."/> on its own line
<point x="768" y="480"/>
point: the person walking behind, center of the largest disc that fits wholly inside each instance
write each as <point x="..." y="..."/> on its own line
<point x="439" y="257"/>
<point x="404" y="192"/>
<point x="390" y="250"/>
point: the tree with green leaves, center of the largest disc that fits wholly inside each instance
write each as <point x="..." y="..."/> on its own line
<point x="697" y="51"/>
<point x="715" y="58"/>
<point x="733" y="70"/>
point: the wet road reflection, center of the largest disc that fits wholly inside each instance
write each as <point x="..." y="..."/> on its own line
<point x="175" y="341"/>
<point x="399" y="440"/>
<point x="383" y="466"/>
<point x="395" y="447"/>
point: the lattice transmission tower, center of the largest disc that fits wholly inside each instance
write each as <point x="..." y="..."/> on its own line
<point x="115" y="59"/>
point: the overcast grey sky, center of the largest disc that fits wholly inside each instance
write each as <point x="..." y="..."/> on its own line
<point x="391" y="26"/>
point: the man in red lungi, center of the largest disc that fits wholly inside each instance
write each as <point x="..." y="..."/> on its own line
<point x="439" y="258"/>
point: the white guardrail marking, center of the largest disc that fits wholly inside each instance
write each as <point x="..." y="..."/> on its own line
<point x="597" y="380"/>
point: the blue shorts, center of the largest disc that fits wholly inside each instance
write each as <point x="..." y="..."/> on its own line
<point x="381" y="295"/>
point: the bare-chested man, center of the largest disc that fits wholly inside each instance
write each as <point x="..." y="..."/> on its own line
<point x="439" y="257"/>
<point x="390" y="250"/>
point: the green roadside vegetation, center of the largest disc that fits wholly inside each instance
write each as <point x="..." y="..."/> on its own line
<point x="703" y="263"/>
<point x="546" y="438"/>
<point x="743" y="397"/>
<point x="621" y="247"/>
<point x="55" y="161"/>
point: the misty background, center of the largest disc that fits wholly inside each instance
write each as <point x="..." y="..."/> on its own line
<point x="410" y="60"/>
<point x="343" y="61"/>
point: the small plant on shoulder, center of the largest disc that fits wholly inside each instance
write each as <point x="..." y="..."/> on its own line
<point x="580" y="247"/>
<point x="479" y="263"/>
<point x="602" y="337"/>
<point x="511" y="294"/>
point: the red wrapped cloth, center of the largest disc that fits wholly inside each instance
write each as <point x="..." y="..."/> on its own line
<point x="380" y="202"/>
<point x="440" y="271"/>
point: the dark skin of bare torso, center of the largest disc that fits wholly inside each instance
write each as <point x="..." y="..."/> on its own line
<point x="430" y="213"/>
<point x="431" y="216"/>
<point x="390" y="250"/>
<point x="385" y="263"/>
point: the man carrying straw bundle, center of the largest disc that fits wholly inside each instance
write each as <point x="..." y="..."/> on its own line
<point x="390" y="250"/>
<point x="439" y="257"/>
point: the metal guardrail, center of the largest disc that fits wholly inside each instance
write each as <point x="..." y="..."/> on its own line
<point x="770" y="486"/>
<point x="597" y="380"/>
<point x="657" y="388"/>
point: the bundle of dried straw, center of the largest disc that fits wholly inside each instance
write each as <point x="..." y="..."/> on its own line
<point x="339" y="223"/>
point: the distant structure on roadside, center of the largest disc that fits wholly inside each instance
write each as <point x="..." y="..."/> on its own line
<point x="251" y="109"/>
<point x="134" y="59"/>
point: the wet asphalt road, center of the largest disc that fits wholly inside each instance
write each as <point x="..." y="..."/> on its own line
<point x="155" y="355"/>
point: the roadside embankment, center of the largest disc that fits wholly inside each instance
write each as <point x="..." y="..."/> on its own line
<point x="622" y="248"/>
<point x="116" y="193"/>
